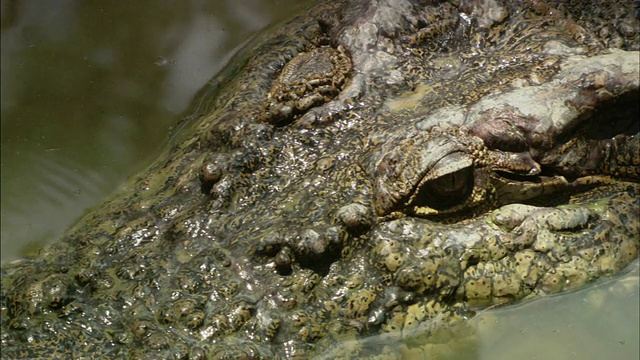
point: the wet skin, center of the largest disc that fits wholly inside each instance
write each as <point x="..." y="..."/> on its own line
<point x="372" y="168"/>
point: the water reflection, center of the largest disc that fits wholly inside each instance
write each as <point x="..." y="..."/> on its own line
<point x="598" y="322"/>
<point x="90" y="91"/>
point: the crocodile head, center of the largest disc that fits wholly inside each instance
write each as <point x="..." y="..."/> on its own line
<point x="376" y="167"/>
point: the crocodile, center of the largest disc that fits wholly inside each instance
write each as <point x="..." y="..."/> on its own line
<point x="369" y="167"/>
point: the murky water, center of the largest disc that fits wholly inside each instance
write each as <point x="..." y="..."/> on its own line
<point x="596" y="323"/>
<point x="90" y="92"/>
<point x="599" y="322"/>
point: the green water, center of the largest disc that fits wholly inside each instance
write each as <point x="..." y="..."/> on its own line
<point x="599" y="322"/>
<point x="90" y="92"/>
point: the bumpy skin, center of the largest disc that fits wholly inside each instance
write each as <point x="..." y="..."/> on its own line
<point x="395" y="177"/>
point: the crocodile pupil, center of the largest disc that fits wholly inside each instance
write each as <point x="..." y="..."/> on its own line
<point x="445" y="191"/>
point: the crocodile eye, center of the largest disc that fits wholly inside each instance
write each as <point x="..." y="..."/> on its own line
<point x="429" y="175"/>
<point x="445" y="191"/>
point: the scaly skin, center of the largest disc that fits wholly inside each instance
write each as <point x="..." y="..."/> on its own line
<point x="413" y="163"/>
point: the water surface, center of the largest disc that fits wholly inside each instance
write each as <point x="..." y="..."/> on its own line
<point x="598" y="322"/>
<point x="90" y="92"/>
